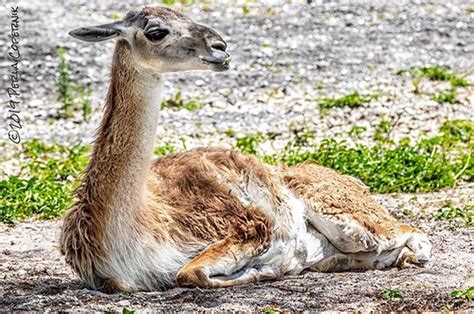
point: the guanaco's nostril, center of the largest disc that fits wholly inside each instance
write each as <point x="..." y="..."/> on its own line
<point x="219" y="46"/>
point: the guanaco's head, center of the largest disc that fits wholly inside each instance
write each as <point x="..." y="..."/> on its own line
<point x="164" y="40"/>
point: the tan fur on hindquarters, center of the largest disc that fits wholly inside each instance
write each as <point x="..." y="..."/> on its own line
<point x="342" y="209"/>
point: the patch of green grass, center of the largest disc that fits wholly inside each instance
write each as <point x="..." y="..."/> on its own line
<point x="245" y="9"/>
<point x="402" y="168"/>
<point x="269" y="310"/>
<point x="454" y="133"/>
<point x="458" y="131"/>
<point x="445" y="96"/>
<point x="429" y="165"/>
<point x="450" y="212"/>
<point x="351" y="100"/>
<point x="127" y="311"/>
<point x="457" y="142"/>
<point x="249" y="144"/>
<point x="382" y="131"/>
<point x="165" y="149"/>
<point x="392" y="294"/>
<point x="72" y="96"/>
<point x="356" y="131"/>
<point x="436" y="73"/>
<point x="179" y="103"/>
<point x="463" y="294"/>
<point x="229" y="132"/>
<point x="319" y="85"/>
<point x="43" y="188"/>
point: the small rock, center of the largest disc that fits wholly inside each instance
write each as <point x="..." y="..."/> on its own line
<point x="200" y="82"/>
<point x="21" y="273"/>
<point x="124" y="303"/>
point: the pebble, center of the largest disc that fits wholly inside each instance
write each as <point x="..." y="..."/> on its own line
<point x="200" y="82"/>
<point x="22" y="273"/>
<point x="123" y="303"/>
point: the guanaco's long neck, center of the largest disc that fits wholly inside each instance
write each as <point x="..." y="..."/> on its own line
<point x="116" y="176"/>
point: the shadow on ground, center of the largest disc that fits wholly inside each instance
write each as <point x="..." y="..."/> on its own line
<point x="35" y="277"/>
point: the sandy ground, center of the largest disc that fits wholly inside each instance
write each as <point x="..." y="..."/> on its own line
<point x="34" y="275"/>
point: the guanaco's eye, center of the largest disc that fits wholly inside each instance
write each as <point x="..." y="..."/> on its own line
<point x="156" y="34"/>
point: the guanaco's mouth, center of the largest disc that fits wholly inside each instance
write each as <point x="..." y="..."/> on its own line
<point x="216" y="64"/>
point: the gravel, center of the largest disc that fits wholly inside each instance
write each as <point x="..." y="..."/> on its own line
<point x="286" y="55"/>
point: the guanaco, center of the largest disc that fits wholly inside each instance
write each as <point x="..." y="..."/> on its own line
<point x="208" y="217"/>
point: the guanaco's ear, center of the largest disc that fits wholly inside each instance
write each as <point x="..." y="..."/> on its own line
<point x="99" y="32"/>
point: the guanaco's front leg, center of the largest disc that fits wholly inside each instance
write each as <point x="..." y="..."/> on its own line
<point x="223" y="264"/>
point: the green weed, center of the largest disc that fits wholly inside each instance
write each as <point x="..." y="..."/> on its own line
<point x="63" y="82"/>
<point x="382" y="131"/>
<point x="229" y="132"/>
<point x="392" y="294"/>
<point x="72" y="96"/>
<point x="450" y="212"/>
<point x="84" y="100"/>
<point x="249" y="144"/>
<point x="458" y="131"/>
<point x="351" y="100"/>
<point x="165" y="149"/>
<point x="463" y="294"/>
<point x="435" y="73"/>
<point x="445" y="97"/>
<point x="178" y="103"/>
<point x="127" y="311"/>
<point x="269" y="310"/>
<point x="356" y="131"/>
<point x="115" y="16"/>
<point x="416" y="85"/>
<point x="245" y="9"/>
<point x="319" y="85"/>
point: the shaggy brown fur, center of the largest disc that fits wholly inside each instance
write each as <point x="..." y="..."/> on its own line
<point x="188" y="180"/>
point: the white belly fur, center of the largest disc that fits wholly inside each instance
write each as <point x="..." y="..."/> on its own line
<point x="306" y="247"/>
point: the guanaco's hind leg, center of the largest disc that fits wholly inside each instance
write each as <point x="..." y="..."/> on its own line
<point x="349" y="234"/>
<point x="223" y="264"/>
<point x="402" y="257"/>
<point x="340" y="207"/>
